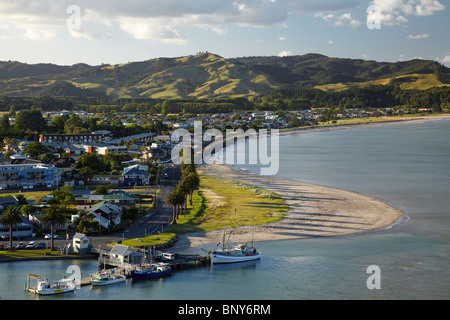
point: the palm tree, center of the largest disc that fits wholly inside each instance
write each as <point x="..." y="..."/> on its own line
<point x="192" y="183"/>
<point x="176" y="199"/>
<point x="11" y="216"/>
<point x="53" y="217"/>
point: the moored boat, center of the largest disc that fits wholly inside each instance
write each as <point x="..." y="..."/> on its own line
<point x="55" y="287"/>
<point x="151" y="271"/>
<point x="241" y="252"/>
<point x="104" y="278"/>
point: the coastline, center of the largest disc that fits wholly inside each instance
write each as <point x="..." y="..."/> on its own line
<point x="315" y="211"/>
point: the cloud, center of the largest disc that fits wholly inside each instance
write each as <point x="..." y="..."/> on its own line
<point x="445" y="60"/>
<point x="330" y="42"/>
<point x="395" y="12"/>
<point x="285" y="54"/>
<point x="345" y="19"/>
<point x="418" y="36"/>
<point x="159" y="20"/>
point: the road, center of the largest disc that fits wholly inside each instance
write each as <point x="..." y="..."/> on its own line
<point x="154" y="221"/>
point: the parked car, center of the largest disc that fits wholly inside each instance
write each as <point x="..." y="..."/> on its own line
<point x="31" y="245"/>
<point x="21" y="245"/>
<point x="1" y="246"/>
<point x="49" y="236"/>
<point x="41" y="245"/>
<point x="8" y="247"/>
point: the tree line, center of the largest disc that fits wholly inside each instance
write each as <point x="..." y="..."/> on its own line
<point x="184" y="190"/>
<point x="285" y="99"/>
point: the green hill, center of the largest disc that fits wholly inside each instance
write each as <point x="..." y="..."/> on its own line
<point x="208" y="76"/>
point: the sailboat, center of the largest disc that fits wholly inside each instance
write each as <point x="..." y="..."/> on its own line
<point x="240" y="252"/>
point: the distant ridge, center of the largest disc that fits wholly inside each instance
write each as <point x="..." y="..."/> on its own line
<point x="207" y="75"/>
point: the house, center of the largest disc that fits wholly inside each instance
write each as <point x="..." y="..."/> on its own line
<point x="85" y="202"/>
<point x="22" y="230"/>
<point x="64" y="165"/>
<point x="36" y="218"/>
<point x="8" y="201"/>
<point x="74" y="151"/>
<point x="81" y="243"/>
<point x="105" y="213"/>
<point x="105" y="179"/>
<point x="121" y="255"/>
<point x="136" y="177"/>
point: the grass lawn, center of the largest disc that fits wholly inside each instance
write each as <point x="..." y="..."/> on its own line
<point x="4" y="254"/>
<point x="220" y="204"/>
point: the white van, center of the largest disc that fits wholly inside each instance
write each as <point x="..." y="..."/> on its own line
<point x="169" y="256"/>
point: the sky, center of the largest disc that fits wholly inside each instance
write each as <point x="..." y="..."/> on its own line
<point x="67" y="32"/>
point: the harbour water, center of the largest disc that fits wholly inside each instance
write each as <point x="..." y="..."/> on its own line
<point x="406" y="165"/>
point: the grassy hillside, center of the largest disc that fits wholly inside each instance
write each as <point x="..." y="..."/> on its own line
<point x="206" y="76"/>
<point x="406" y="82"/>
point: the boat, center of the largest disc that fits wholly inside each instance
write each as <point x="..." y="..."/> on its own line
<point x="104" y="278"/>
<point x="55" y="287"/>
<point x="151" y="271"/>
<point x="240" y="252"/>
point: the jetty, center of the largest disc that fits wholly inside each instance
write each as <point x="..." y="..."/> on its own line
<point x="126" y="258"/>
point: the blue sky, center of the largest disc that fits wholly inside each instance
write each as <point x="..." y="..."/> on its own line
<point x="113" y="31"/>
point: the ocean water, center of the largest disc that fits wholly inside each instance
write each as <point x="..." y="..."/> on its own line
<point x="406" y="165"/>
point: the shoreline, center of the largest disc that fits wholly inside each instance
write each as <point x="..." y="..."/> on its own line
<point x="314" y="210"/>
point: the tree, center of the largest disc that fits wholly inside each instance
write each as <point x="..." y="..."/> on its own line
<point x="11" y="217"/>
<point x="30" y="120"/>
<point x="35" y="149"/>
<point x="63" y="196"/>
<point x="101" y="189"/>
<point x="176" y="198"/>
<point x="53" y="217"/>
<point x="191" y="182"/>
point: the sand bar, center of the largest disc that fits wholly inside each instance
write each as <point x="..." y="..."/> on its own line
<point x="315" y="211"/>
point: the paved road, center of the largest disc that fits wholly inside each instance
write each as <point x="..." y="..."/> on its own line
<point x="153" y="222"/>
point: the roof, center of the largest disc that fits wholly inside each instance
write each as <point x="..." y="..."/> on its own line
<point x="79" y="236"/>
<point x="136" y="171"/>
<point x="103" y="197"/>
<point x="8" y="201"/>
<point x="120" y="250"/>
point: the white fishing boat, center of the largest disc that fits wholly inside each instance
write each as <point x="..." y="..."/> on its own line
<point x="240" y="252"/>
<point x="105" y="278"/>
<point x="55" y="287"/>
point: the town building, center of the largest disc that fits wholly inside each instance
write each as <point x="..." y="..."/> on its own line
<point x="29" y="176"/>
<point x="123" y="200"/>
<point x="99" y="136"/>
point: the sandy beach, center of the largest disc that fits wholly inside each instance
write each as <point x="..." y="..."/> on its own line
<point x="315" y="211"/>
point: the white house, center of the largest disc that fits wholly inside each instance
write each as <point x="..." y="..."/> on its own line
<point x="81" y="243"/>
<point x="106" y="213"/>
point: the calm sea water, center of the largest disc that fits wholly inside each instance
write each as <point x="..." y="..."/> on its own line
<point x="406" y="165"/>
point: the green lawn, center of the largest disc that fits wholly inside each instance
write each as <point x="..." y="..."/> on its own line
<point x="4" y="254"/>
